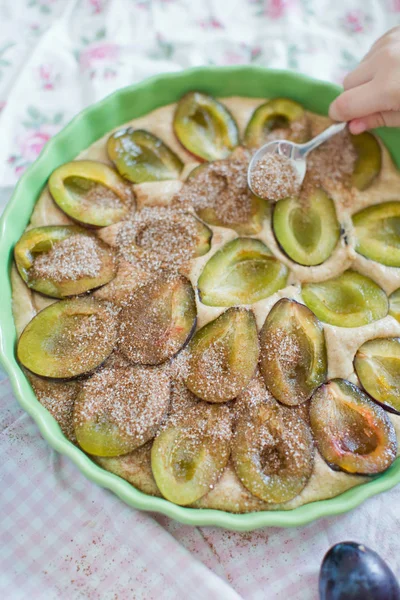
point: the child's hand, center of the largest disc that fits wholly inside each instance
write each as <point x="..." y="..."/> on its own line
<point x="372" y="91"/>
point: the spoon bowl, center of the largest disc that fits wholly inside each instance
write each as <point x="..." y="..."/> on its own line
<point x="296" y="153"/>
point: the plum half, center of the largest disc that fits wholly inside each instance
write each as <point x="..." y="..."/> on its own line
<point x="203" y="238"/>
<point x="377" y="364"/>
<point x="353" y="433"/>
<point x="241" y="272"/>
<point x="349" y="300"/>
<point x="75" y="261"/>
<point x="120" y="409"/>
<point x="222" y="356"/>
<point x="91" y="193"/>
<point x="163" y="237"/>
<point x="377" y="232"/>
<point x="394" y="304"/>
<point x="205" y="127"/>
<point x="141" y="156"/>
<point x="273" y="452"/>
<point x="68" y="338"/>
<point x="191" y="452"/>
<point x="258" y="210"/>
<point x="368" y="162"/>
<point x="282" y="116"/>
<point x="219" y="195"/>
<point x="157" y="320"/>
<point x="293" y="358"/>
<point x="307" y="230"/>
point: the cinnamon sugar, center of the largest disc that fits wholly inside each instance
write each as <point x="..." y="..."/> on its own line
<point x="93" y="193"/>
<point x="296" y="131"/>
<point x="150" y="332"/>
<point x="275" y="177"/>
<point x="293" y="437"/>
<point x="332" y="162"/>
<point x="220" y="188"/>
<point x="285" y="345"/>
<point x="280" y="443"/>
<point x="250" y="399"/>
<point x="196" y="418"/>
<point x="78" y="335"/>
<point x="210" y="372"/>
<point x="73" y="258"/>
<point x="159" y="238"/>
<point x="133" y="399"/>
<point x="82" y="337"/>
<point x="211" y="366"/>
<point x="59" y="399"/>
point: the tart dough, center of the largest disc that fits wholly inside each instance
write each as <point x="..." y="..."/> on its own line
<point x="229" y="494"/>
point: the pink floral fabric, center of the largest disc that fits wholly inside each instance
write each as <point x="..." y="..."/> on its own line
<point x="60" y="535"/>
<point x="69" y="53"/>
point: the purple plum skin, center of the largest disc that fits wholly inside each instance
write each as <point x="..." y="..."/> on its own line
<point x="351" y="571"/>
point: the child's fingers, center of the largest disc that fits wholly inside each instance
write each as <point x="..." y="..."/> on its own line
<point x="383" y="41"/>
<point x="379" y="119"/>
<point x="366" y="70"/>
<point x="362" y="74"/>
<point x="383" y="44"/>
<point x="357" y="102"/>
<point x="372" y="91"/>
<point x="388" y="36"/>
<point x="376" y="47"/>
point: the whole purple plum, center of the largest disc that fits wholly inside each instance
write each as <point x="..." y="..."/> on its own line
<point x="351" y="571"/>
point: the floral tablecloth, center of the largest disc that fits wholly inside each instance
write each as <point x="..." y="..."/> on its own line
<point x="60" y="535"/>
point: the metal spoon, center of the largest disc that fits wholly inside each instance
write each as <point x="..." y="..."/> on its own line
<point x="295" y="152"/>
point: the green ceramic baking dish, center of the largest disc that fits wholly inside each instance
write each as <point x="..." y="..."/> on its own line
<point x="82" y="131"/>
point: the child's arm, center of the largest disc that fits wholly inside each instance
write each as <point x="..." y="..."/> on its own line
<point x="372" y="91"/>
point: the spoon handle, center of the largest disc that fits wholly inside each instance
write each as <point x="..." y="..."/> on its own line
<point x="304" y="149"/>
